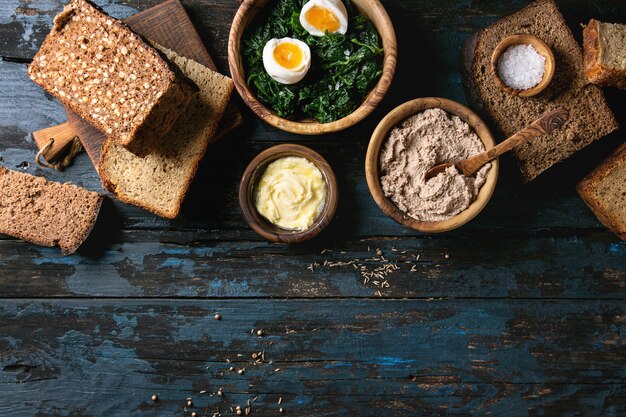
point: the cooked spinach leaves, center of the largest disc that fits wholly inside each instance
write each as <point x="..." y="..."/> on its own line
<point x="344" y="67"/>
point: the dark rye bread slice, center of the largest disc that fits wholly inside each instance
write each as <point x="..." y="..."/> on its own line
<point x="604" y="191"/>
<point x="159" y="181"/>
<point x="590" y="116"/>
<point x="99" y="68"/>
<point x="604" y="46"/>
<point x="44" y="212"/>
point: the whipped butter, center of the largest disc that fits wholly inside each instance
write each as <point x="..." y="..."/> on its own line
<point x="291" y="193"/>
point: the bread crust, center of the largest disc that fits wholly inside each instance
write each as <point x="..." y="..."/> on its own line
<point x="586" y="190"/>
<point x="595" y="71"/>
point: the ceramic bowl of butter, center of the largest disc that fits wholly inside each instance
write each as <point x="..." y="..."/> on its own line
<point x="288" y="193"/>
<point x="409" y="141"/>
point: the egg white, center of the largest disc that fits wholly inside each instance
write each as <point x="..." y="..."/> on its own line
<point x="335" y="6"/>
<point x="278" y="72"/>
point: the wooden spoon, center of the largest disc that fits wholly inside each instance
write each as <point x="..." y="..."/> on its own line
<point x="545" y="124"/>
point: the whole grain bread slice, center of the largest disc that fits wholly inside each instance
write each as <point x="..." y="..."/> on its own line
<point x="605" y="53"/>
<point x="160" y="181"/>
<point x="590" y="116"/>
<point x="46" y="213"/>
<point x="604" y="191"/>
<point x="99" y="68"/>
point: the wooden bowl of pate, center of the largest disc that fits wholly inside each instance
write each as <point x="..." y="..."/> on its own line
<point x="253" y="175"/>
<point x="381" y="136"/>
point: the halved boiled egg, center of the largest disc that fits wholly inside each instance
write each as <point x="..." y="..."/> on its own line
<point x="286" y="60"/>
<point x="320" y="16"/>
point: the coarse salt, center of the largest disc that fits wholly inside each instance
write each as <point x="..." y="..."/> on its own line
<point x="521" y="67"/>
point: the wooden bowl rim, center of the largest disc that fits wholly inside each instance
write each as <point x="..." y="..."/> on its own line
<point x="262" y="226"/>
<point x="380" y="135"/>
<point x="374" y="97"/>
<point x="541" y="47"/>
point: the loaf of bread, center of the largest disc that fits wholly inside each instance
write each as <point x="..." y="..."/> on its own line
<point x="605" y="53"/>
<point x="44" y="212"/>
<point x="109" y="76"/>
<point x="604" y="191"/>
<point x="590" y="116"/>
<point x="160" y="181"/>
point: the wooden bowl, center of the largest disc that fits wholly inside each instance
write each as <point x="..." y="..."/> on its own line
<point x="542" y="48"/>
<point x="251" y="177"/>
<point x="374" y="12"/>
<point x="379" y="137"/>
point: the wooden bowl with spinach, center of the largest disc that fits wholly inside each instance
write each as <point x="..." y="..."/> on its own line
<point x="349" y="73"/>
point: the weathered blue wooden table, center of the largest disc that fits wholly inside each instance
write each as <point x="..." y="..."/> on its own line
<point x="519" y="313"/>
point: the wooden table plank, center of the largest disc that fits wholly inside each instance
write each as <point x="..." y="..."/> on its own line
<point x="437" y="267"/>
<point x="550" y="358"/>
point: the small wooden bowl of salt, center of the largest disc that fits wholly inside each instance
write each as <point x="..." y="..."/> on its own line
<point x="522" y="65"/>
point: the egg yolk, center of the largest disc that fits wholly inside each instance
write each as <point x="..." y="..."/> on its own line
<point x="288" y="55"/>
<point x="322" y="19"/>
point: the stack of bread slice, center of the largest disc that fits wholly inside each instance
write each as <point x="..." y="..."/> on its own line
<point x="158" y="110"/>
<point x="98" y="67"/>
<point x="159" y="181"/>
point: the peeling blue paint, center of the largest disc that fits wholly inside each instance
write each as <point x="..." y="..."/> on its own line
<point x="618" y="248"/>
<point x="338" y="365"/>
<point x="392" y="361"/>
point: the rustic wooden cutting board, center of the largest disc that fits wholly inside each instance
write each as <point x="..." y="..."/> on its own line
<point x="166" y="24"/>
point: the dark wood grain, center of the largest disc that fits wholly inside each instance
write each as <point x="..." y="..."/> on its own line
<point x="523" y="317"/>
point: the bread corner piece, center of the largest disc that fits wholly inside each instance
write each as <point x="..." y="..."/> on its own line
<point x="46" y="213"/>
<point x="109" y="76"/>
<point x="590" y="116"/>
<point x="604" y="191"/>
<point x="159" y="181"/>
<point x="604" y="47"/>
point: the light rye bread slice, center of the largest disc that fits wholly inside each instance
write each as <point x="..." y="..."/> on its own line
<point x="160" y="181"/>
<point x="98" y="67"/>
<point x="604" y="191"/>
<point x="44" y="212"/>
<point x="605" y="53"/>
<point x="590" y="116"/>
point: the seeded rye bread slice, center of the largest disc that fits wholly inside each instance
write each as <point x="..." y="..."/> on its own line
<point x="604" y="191"/>
<point x="160" y="181"/>
<point x="98" y="67"/>
<point x="590" y="116"/>
<point x="604" y="46"/>
<point x="44" y="212"/>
